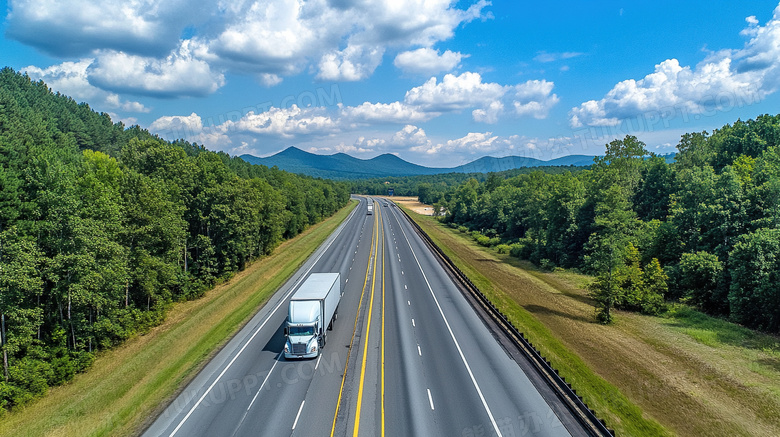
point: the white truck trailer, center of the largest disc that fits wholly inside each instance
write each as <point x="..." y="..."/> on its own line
<point x="313" y="308"/>
<point x="370" y="207"/>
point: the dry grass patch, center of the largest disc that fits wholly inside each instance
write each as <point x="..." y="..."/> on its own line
<point x="692" y="374"/>
<point x="128" y="386"/>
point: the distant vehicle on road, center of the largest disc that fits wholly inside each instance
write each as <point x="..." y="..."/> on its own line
<point x="370" y="208"/>
<point x="313" y="309"/>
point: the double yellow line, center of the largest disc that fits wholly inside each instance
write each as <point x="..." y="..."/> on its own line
<point x="375" y="241"/>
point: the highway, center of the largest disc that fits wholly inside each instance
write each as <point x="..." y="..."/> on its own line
<point x="407" y="356"/>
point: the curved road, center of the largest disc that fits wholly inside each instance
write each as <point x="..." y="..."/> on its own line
<point x="408" y="356"/>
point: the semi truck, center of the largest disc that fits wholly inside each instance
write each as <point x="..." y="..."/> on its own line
<point x="312" y="311"/>
<point x="370" y="208"/>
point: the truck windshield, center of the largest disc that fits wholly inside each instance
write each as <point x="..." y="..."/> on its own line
<point x="302" y="330"/>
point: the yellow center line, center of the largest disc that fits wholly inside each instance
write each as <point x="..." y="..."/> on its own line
<point x="351" y="341"/>
<point x="383" y="330"/>
<point x="368" y="330"/>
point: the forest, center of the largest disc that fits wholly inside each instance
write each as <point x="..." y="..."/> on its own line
<point x="703" y="230"/>
<point x="431" y="188"/>
<point x="103" y="227"/>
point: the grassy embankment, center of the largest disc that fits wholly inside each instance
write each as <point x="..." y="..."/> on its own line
<point x="682" y="373"/>
<point x="129" y="385"/>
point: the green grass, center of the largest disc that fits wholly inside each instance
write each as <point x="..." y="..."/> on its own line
<point x="606" y="399"/>
<point x="714" y="332"/>
<point x="128" y="386"/>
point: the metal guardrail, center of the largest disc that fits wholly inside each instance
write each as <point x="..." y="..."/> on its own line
<point x="568" y="395"/>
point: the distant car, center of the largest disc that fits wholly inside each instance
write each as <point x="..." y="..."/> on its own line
<point x="385" y="204"/>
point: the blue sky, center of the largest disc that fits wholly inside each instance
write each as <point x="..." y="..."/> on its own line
<point x="438" y="83"/>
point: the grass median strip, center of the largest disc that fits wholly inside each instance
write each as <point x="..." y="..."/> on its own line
<point x="127" y="386"/>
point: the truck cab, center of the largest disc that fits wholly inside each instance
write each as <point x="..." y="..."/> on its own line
<point x="304" y="330"/>
<point x="310" y="315"/>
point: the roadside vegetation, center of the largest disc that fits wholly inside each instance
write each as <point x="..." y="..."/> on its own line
<point x="129" y="385"/>
<point x="103" y="227"/>
<point x="681" y="372"/>
<point x="703" y="230"/>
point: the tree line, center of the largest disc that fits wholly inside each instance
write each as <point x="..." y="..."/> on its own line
<point x="704" y="229"/>
<point x="103" y="226"/>
<point x="433" y="188"/>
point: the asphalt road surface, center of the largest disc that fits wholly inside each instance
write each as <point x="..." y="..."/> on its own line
<point x="407" y="356"/>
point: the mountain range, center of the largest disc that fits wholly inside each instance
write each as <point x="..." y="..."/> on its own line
<point x="343" y="166"/>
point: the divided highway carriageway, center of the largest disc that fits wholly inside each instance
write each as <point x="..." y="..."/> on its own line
<point x="407" y="356"/>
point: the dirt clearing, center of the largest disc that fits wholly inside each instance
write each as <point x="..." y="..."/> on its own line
<point x="411" y="203"/>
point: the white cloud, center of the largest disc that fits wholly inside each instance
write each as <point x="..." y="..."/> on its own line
<point x="490" y="114"/>
<point x="180" y="74"/>
<point x="269" y="79"/>
<point x="285" y="123"/>
<point x="411" y="136"/>
<point x="454" y="93"/>
<point x="473" y="142"/>
<point x="361" y="146"/>
<point x="534" y="98"/>
<point x="722" y="80"/>
<point x="177" y="48"/>
<point x="427" y="61"/>
<point x="488" y="102"/>
<point x="545" y="57"/>
<point x="395" y="112"/>
<point x="70" y="78"/>
<point x="181" y="126"/>
<point x="77" y="27"/>
<point x="190" y="127"/>
<point x="351" y="64"/>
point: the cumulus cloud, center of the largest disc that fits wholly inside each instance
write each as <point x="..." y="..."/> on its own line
<point x="532" y="98"/>
<point x="395" y="112"/>
<point x="191" y="128"/>
<point x="425" y="60"/>
<point x="178" y="48"/>
<point x="454" y="93"/>
<point x="411" y="136"/>
<point x="180" y="74"/>
<point x="182" y="126"/>
<point x="285" y="122"/>
<point x="473" y="142"/>
<point x="77" y="27"/>
<point x="723" y="79"/>
<point x="351" y="64"/>
<point x="488" y="102"/>
<point x="70" y="78"/>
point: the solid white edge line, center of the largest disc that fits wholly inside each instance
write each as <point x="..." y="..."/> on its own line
<point x="208" y="390"/>
<point x="430" y="399"/>
<point x="457" y="345"/>
<point x="299" y="414"/>
<point x="318" y="362"/>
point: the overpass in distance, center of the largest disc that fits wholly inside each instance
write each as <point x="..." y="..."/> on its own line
<point x="407" y="356"/>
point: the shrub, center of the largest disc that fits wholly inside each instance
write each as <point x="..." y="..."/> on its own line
<point x="503" y="248"/>
<point x="546" y="264"/>
<point x="482" y="240"/>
